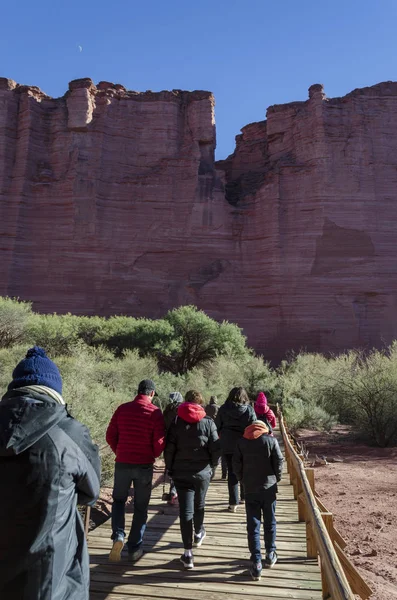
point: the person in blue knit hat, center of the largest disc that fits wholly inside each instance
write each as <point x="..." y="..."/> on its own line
<point x="48" y="464"/>
<point x="38" y="371"/>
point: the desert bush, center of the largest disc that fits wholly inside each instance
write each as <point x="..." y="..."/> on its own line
<point x="58" y="334"/>
<point x="149" y="336"/>
<point x="14" y="318"/>
<point x="308" y="383"/>
<point x="369" y="387"/>
<point x="198" y="339"/>
<point x="258" y="376"/>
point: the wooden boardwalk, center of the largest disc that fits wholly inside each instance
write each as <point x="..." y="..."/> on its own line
<point x="221" y="563"/>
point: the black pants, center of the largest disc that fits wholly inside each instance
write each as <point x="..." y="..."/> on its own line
<point x="224" y="466"/>
<point x="192" y="490"/>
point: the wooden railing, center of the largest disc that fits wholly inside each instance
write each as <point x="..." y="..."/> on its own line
<point x="340" y="578"/>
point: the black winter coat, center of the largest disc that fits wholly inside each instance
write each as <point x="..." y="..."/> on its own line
<point x="48" y="463"/>
<point x="258" y="463"/>
<point x="231" y="421"/>
<point x="192" y="447"/>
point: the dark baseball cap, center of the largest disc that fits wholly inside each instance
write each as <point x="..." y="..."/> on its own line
<point x="147" y="385"/>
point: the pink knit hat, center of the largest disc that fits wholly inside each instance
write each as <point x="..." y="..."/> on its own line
<point x="260" y="404"/>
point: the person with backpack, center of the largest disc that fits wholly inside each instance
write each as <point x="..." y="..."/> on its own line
<point x="264" y="412"/>
<point x="136" y="434"/>
<point x="191" y="453"/>
<point x="258" y="463"/>
<point x="232" y="419"/>
<point x="48" y="465"/>
<point x="170" y="413"/>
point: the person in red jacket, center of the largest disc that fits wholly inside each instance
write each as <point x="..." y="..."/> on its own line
<point x="136" y="434"/>
<point x="263" y="412"/>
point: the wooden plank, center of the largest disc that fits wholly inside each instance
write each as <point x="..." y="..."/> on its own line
<point x="357" y="583"/>
<point x="203" y="563"/>
<point x="221" y="564"/>
<point x="130" y="584"/>
<point x="335" y="535"/>
<point x="210" y="550"/>
<point x="230" y="575"/>
<point x="101" y="593"/>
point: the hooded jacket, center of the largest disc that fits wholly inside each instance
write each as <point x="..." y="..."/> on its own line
<point x="48" y="463"/>
<point x="170" y="412"/>
<point x="262" y="410"/>
<point x="257" y="460"/>
<point x="212" y="409"/>
<point x="231" y="421"/>
<point x="192" y="443"/>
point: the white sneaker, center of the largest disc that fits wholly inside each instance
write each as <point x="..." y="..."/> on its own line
<point x="232" y="508"/>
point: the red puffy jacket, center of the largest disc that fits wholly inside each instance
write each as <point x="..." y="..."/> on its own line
<point x="136" y="432"/>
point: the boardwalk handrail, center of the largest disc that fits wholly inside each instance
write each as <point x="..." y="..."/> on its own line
<point x="322" y="539"/>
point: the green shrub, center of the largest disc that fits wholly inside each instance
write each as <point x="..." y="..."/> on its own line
<point x="14" y="318"/>
<point x="57" y="334"/>
<point x="369" y="385"/>
<point x="126" y="333"/>
<point x="198" y="339"/>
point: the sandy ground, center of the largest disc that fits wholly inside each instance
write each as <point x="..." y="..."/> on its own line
<point x="361" y="492"/>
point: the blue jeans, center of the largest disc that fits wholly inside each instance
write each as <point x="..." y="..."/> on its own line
<point x="256" y="505"/>
<point x="141" y="477"/>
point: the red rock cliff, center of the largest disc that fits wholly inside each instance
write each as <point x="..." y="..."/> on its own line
<point x="314" y="188"/>
<point x="110" y="202"/>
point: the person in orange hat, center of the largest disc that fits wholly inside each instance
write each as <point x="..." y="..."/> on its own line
<point x="258" y="463"/>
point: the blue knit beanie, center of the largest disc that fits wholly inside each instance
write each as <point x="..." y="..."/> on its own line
<point x="36" y="369"/>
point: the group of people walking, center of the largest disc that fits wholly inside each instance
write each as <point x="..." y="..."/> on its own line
<point x="194" y="438"/>
<point x="49" y="464"/>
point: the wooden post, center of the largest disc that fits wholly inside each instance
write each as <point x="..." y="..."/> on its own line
<point x="329" y="523"/>
<point x="310" y="542"/>
<point x="301" y="507"/>
<point x="310" y="476"/>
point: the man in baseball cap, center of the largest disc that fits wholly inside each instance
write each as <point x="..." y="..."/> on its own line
<point x="136" y="434"/>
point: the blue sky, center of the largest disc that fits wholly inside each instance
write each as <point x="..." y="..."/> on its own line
<point x="250" y="53"/>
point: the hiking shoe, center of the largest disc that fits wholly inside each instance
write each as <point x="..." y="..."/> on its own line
<point x="199" y="538"/>
<point x="270" y="560"/>
<point x="115" y="553"/>
<point x="256" y="571"/>
<point x="187" y="561"/>
<point x="232" y="508"/>
<point x="136" y="555"/>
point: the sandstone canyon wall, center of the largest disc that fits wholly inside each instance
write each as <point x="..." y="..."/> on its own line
<point x="110" y="202"/>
